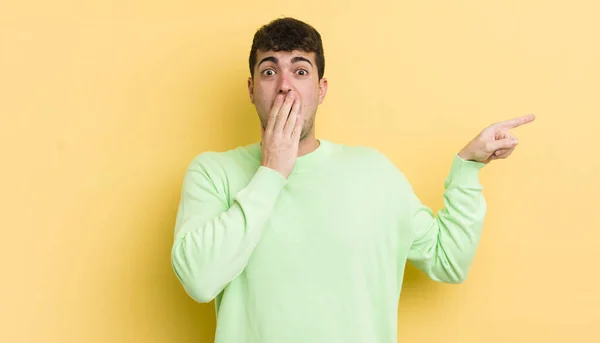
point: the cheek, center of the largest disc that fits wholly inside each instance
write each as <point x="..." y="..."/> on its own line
<point x="262" y="99"/>
<point x="312" y="99"/>
<point x="268" y="102"/>
<point x="310" y="95"/>
<point x="262" y="95"/>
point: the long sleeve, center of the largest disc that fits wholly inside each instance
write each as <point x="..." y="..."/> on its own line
<point x="444" y="245"/>
<point x="213" y="241"/>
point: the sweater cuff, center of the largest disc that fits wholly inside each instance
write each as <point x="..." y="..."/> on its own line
<point x="263" y="189"/>
<point x="463" y="172"/>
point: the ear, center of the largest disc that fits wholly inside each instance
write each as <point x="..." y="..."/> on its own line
<point x="251" y="89"/>
<point x="322" y="90"/>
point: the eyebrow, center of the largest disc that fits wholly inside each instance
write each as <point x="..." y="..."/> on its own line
<point x="276" y="61"/>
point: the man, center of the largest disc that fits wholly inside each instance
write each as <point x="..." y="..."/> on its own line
<point x="299" y="239"/>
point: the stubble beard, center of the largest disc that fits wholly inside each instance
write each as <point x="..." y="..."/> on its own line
<point x="307" y="126"/>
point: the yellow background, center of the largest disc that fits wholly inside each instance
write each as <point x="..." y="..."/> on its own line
<point x="104" y="104"/>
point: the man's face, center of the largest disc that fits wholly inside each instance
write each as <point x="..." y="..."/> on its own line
<point x="279" y="72"/>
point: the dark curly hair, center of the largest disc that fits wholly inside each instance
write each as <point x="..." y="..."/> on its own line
<point x="287" y="34"/>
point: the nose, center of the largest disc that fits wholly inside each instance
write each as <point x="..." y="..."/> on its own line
<point x="284" y="85"/>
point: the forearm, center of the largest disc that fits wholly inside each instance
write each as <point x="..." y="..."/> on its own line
<point x="446" y="243"/>
<point x="208" y="254"/>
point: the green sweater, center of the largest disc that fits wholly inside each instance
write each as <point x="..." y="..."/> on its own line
<point x="318" y="257"/>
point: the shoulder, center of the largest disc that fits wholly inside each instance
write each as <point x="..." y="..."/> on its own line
<point x="371" y="165"/>
<point x="368" y="159"/>
<point x="217" y="163"/>
<point x="364" y="154"/>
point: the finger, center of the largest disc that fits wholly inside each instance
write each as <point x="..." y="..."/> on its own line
<point x="501" y="152"/>
<point x="503" y="133"/>
<point x="506" y="143"/>
<point x="284" y="111"/>
<point x="504" y="150"/>
<point x="516" y="122"/>
<point x="504" y="154"/>
<point x="297" y="132"/>
<point x="292" y="119"/>
<point x="273" y="113"/>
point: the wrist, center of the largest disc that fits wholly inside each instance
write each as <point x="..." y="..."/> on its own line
<point x="465" y="155"/>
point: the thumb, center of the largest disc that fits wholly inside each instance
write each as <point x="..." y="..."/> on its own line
<point x="505" y="143"/>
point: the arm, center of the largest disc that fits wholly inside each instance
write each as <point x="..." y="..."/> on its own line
<point x="444" y="245"/>
<point x="213" y="243"/>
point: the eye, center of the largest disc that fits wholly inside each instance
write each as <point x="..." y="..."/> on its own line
<point x="268" y="72"/>
<point x="302" y="72"/>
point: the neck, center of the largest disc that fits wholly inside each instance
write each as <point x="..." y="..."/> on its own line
<point x="308" y="144"/>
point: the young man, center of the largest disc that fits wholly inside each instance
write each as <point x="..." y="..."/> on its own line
<point x="299" y="239"/>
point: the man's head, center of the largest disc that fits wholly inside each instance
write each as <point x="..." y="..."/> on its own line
<point x="287" y="54"/>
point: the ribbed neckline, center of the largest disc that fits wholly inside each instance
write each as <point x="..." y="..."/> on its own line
<point x="304" y="162"/>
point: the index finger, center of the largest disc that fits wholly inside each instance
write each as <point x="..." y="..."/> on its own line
<point x="516" y="122"/>
<point x="273" y="112"/>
